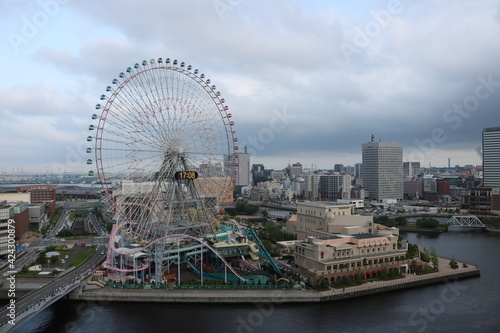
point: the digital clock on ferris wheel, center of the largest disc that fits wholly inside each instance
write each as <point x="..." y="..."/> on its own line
<point x="186" y="175"/>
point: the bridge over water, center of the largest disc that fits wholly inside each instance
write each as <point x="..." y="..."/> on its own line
<point x="469" y="221"/>
<point x="39" y="299"/>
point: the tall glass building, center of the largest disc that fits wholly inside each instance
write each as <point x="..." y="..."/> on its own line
<point x="491" y="157"/>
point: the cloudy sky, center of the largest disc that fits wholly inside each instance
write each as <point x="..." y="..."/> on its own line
<point x="306" y="81"/>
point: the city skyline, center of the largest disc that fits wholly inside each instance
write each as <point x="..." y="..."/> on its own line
<point x="306" y="82"/>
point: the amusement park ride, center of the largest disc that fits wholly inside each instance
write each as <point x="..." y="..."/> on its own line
<point x="165" y="153"/>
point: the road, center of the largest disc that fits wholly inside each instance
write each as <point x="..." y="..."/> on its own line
<point x="37" y="300"/>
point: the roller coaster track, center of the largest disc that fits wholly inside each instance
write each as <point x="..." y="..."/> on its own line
<point x="264" y="251"/>
<point x="113" y="248"/>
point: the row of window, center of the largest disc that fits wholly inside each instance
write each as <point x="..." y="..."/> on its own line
<point x="349" y="253"/>
<point x="365" y="262"/>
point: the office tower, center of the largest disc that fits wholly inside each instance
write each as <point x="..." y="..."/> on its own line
<point x="358" y="170"/>
<point x="243" y="177"/>
<point x="491" y="157"/>
<point x="258" y="174"/>
<point x="338" y="168"/>
<point x="294" y="170"/>
<point x="333" y="187"/>
<point x="411" y="169"/>
<point x="383" y="170"/>
<point x="311" y="186"/>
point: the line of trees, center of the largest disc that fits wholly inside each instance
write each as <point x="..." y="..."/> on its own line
<point x="275" y="232"/>
<point x="242" y="208"/>
<point x="427" y="222"/>
<point x="391" y="222"/>
<point x="424" y="222"/>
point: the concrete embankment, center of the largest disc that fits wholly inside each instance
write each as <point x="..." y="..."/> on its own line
<point x="407" y="282"/>
<point x="109" y="294"/>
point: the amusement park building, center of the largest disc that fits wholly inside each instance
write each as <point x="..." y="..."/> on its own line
<point x="321" y="218"/>
<point x="340" y="256"/>
<point x="333" y="242"/>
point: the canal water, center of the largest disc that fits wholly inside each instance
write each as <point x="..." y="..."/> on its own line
<point x="470" y="305"/>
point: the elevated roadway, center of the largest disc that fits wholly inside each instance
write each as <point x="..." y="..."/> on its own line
<point x="39" y="299"/>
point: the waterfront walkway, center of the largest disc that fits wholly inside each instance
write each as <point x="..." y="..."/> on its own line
<point x="108" y="294"/>
<point x="410" y="280"/>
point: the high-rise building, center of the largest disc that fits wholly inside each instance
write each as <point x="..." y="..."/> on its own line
<point x="383" y="170"/>
<point x="311" y="186"/>
<point x="358" y="170"/>
<point x="491" y="157"/>
<point x="411" y="169"/>
<point x="259" y="174"/>
<point x="6" y="213"/>
<point x="338" y="168"/>
<point x="294" y="170"/>
<point x="349" y="170"/>
<point x="243" y="176"/>
<point x="333" y="187"/>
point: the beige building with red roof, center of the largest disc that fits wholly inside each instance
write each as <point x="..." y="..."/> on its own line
<point x="322" y="218"/>
<point x="340" y="256"/>
<point x="333" y="242"/>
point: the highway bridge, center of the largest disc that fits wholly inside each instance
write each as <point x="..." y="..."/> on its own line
<point x="39" y="299"/>
<point x="23" y="308"/>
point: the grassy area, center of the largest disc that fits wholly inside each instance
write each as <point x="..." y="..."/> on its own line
<point x="80" y="257"/>
<point x="78" y="213"/>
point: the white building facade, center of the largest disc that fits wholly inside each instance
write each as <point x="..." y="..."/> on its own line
<point x="383" y="170"/>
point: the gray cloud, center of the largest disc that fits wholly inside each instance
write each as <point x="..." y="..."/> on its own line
<point x="270" y="55"/>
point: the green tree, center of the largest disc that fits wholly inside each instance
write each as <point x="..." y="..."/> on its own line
<point x="265" y="213"/>
<point x="384" y="274"/>
<point x="64" y="233"/>
<point x="412" y="251"/>
<point x="54" y="259"/>
<point x="385" y="220"/>
<point x="427" y="222"/>
<point x="321" y="283"/>
<point x="401" y="220"/>
<point x="434" y="259"/>
<point x="41" y="259"/>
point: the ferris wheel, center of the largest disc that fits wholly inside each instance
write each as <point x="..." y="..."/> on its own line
<point x="165" y="152"/>
<point x="158" y="111"/>
<point x="162" y="117"/>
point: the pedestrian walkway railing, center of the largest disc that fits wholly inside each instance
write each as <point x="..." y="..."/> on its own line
<point x="203" y="287"/>
<point x="381" y="284"/>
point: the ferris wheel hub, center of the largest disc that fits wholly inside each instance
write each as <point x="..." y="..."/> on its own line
<point x="175" y="151"/>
